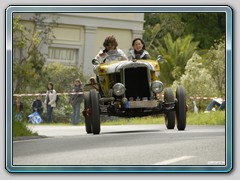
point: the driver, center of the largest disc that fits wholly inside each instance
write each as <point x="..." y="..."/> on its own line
<point x="110" y="44"/>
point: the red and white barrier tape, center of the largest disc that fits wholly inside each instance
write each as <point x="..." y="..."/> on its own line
<point x="201" y="98"/>
<point x="43" y="94"/>
<point x="72" y="93"/>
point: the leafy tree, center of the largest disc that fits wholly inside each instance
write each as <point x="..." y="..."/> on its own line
<point x="31" y="74"/>
<point x="176" y="54"/>
<point x="61" y="76"/>
<point x="206" y="27"/>
<point x="215" y="63"/>
<point x="197" y="79"/>
<point x="165" y="33"/>
<point x="157" y="25"/>
<point x="28" y="60"/>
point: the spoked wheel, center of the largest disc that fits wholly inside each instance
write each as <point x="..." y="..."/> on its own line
<point x="181" y="108"/>
<point x="95" y="114"/>
<point x="87" y="105"/>
<point x="169" y="116"/>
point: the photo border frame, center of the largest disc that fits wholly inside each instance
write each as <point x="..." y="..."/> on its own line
<point x="118" y="9"/>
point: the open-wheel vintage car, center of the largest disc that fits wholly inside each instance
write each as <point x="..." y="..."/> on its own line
<point x="131" y="88"/>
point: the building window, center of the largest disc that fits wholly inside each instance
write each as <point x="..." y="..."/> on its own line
<point x="65" y="55"/>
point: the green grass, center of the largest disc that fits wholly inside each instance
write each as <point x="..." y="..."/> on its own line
<point x="213" y="118"/>
<point x="20" y="129"/>
<point x="137" y="120"/>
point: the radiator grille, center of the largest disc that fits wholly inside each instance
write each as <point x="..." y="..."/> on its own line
<point x="136" y="83"/>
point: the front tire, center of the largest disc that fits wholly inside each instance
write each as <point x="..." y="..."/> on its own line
<point x="181" y="108"/>
<point x="95" y="120"/>
<point x="169" y="116"/>
<point x="87" y="107"/>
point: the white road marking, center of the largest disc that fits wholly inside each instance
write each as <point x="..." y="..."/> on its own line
<point x="172" y="161"/>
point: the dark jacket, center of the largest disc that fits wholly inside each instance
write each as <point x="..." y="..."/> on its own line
<point x="37" y="106"/>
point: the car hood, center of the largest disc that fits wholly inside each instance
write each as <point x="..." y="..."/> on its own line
<point x="117" y="66"/>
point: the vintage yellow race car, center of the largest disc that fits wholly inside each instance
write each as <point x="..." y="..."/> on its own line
<point x="131" y="88"/>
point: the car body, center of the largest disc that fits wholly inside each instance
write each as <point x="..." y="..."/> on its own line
<point x="132" y="88"/>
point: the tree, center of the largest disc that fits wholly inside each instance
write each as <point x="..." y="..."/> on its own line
<point x="28" y="60"/>
<point x="157" y="25"/>
<point x="176" y="54"/>
<point x="215" y="63"/>
<point x="197" y="79"/>
<point x="206" y="27"/>
<point x="62" y="76"/>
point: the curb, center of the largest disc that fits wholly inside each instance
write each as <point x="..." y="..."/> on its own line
<point x="21" y="138"/>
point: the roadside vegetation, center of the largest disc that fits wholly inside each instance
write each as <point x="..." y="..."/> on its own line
<point x="213" y="118"/>
<point x="20" y="129"/>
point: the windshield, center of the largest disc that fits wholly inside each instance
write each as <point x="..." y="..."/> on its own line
<point x="114" y="57"/>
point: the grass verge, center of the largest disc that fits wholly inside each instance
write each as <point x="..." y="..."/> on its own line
<point x="20" y="129"/>
<point x="212" y="118"/>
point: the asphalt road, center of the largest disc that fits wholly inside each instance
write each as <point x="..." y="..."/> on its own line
<point x="122" y="145"/>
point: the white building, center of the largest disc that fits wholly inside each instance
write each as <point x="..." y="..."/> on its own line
<point x="79" y="36"/>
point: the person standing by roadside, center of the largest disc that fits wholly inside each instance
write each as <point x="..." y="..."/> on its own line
<point x="76" y="100"/>
<point x="50" y="101"/>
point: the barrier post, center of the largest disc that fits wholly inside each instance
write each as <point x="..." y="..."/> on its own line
<point x="18" y="102"/>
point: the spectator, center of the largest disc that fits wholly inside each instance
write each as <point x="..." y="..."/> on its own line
<point x="76" y="100"/>
<point x="138" y="51"/>
<point x="195" y="109"/>
<point x="92" y="84"/>
<point x="37" y="105"/>
<point x="50" y="101"/>
<point x="216" y="102"/>
<point x="110" y="44"/>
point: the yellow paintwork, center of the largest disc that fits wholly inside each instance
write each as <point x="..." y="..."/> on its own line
<point x="105" y="78"/>
<point x="102" y="69"/>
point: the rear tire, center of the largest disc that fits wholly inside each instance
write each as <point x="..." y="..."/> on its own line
<point x="169" y="116"/>
<point x="87" y="106"/>
<point x="181" y="108"/>
<point x="95" y="120"/>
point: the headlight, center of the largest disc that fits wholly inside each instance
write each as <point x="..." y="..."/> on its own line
<point x="157" y="86"/>
<point x="118" y="89"/>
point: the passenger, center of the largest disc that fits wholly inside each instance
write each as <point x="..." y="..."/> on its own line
<point x="110" y="44"/>
<point x="138" y="51"/>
